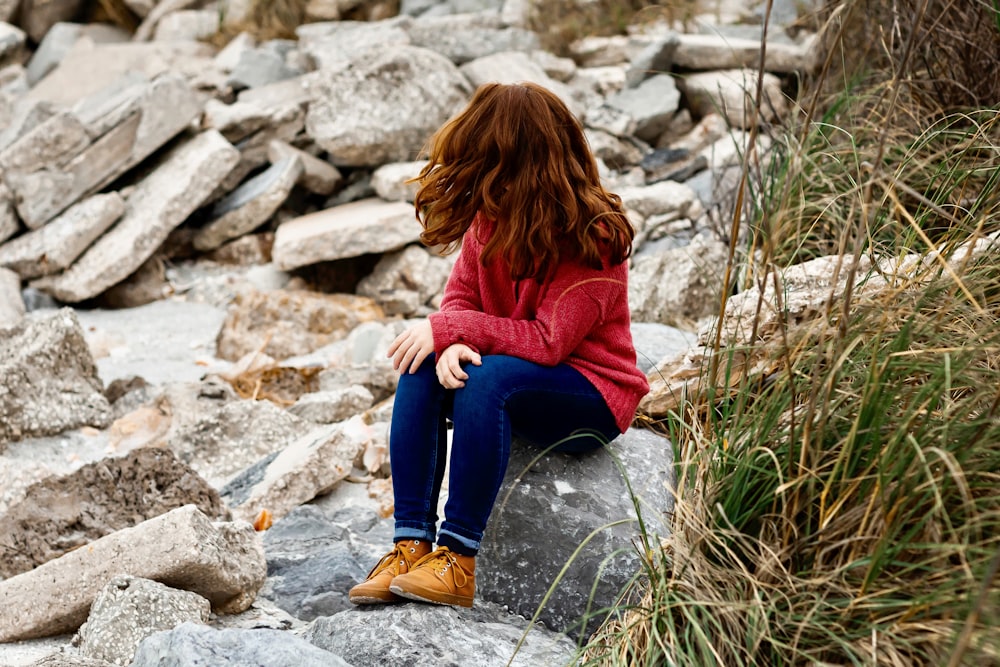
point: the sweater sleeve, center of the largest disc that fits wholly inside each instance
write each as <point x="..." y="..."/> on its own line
<point x="564" y="317"/>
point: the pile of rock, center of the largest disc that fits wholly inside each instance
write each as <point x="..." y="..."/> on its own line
<point x="250" y="207"/>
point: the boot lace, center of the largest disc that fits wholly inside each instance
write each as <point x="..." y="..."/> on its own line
<point x="442" y="561"/>
<point x="395" y="559"/>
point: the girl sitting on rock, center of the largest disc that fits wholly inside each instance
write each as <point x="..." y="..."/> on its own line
<point x="532" y="337"/>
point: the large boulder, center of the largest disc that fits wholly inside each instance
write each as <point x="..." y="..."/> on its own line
<point x="384" y="105"/>
<point x="59" y="514"/>
<point x="194" y="645"/>
<point x="549" y="508"/>
<point x="48" y="380"/>
<point x="420" y="635"/>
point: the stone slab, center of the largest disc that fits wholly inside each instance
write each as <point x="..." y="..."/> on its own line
<point x="250" y="205"/>
<point x="223" y="562"/>
<point x="56" y="245"/>
<point x="318" y="176"/>
<point x="160" y="203"/>
<point x="306" y="468"/>
<point x="367" y="226"/>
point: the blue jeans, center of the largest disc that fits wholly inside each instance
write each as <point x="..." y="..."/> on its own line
<point x="504" y="396"/>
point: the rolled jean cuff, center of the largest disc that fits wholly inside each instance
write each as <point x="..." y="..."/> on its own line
<point x="408" y="530"/>
<point x="462" y="539"/>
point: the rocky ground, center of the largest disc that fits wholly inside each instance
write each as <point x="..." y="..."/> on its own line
<point x="203" y="257"/>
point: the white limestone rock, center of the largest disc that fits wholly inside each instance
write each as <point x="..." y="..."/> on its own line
<point x="318" y="176"/>
<point x="732" y="93"/>
<point x="350" y="230"/>
<point x="390" y="180"/>
<point x="384" y="105"/>
<point x="11" y="304"/>
<point x="515" y="67"/>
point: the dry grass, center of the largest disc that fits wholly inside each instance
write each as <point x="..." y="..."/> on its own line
<point x="844" y="509"/>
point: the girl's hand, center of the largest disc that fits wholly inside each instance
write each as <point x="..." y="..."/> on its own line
<point x="449" y="366"/>
<point x="411" y="347"/>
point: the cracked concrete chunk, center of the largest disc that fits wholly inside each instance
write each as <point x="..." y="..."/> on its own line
<point x="54" y="247"/>
<point x="250" y="205"/>
<point x="160" y="203"/>
<point x="366" y="226"/>
<point x="48" y="379"/>
<point x="62" y="513"/>
<point x="223" y="562"/>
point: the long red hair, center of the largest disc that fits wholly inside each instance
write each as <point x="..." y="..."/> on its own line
<point x="518" y="156"/>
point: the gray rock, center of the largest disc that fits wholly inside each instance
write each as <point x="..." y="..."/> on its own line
<point x="56" y="245"/>
<point x="732" y="93"/>
<point x="465" y="37"/>
<point x="654" y="342"/>
<point x="62" y="513"/>
<point x="430" y="636"/>
<point x="260" y="67"/>
<point x="545" y="512"/>
<point x="160" y="202"/>
<point x="651" y="105"/>
<point x="143" y="118"/>
<point x="90" y="67"/>
<point x="250" y="205"/>
<point x="314" y="559"/>
<point x="357" y="115"/>
<point x="308" y="467"/>
<point x="515" y="67"/>
<point x="664" y="197"/>
<point x="390" y="180"/>
<point x="330" y="407"/>
<point x="285" y="123"/>
<point x="560" y="69"/>
<point x="191" y="645"/>
<point x="412" y="270"/>
<point x="720" y="52"/>
<point x="598" y="51"/>
<point x="223" y="562"/>
<point x="615" y="152"/>
<point x="680" y="286"/>
<point x="318" y="176"/>
<point x="48" y="380"/>
<point x="285" y="323"/>
<point x="26" y="118"/>
<point x="656" y="58"/>
<point x="129" y="609"/>
<point x="219" y="435"/>
<point x="333" y="45"/>
<point x="229" y="57"/>
<point x="366" y="226"/>
<point x="11" y="304"/>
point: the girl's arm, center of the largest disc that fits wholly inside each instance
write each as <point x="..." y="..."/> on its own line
<point x="570" y="311"/>
<point x="461" y="291"/>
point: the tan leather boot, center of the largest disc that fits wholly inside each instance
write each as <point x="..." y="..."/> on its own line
<point x="375" y="588"/>
<point x="442" y="577"/>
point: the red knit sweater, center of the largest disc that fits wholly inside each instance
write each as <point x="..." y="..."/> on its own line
<point x="580" y="317"/>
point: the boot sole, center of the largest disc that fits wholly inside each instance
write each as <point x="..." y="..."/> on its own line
<point x="440" y="598"/>
<point x="366" y="599"/>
